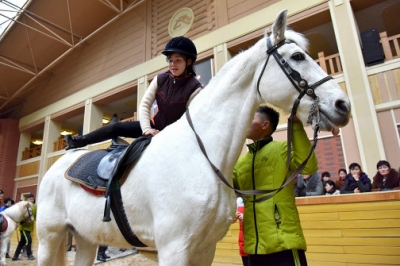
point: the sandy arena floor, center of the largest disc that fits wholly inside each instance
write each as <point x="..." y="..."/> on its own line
<point x="118" y="258"/>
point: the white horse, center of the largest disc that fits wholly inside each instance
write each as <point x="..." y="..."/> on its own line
<point x="21" y="211"/>
<point x="173" y="199"/>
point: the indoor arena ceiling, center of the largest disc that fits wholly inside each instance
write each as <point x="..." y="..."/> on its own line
<point x="44" y="32"/>
<point x="41" y="34"/>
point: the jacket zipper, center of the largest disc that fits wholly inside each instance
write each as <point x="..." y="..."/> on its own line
<point x="171" y="94"/>
<point x="277" y="217"/>
<point x="254" y="198"/>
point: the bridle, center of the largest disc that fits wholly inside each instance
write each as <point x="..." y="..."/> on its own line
<point x="30" y="215"/>
<point x="303" y="88"/>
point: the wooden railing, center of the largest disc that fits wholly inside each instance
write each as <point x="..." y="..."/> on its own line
<point x="390" y="45"/>
<point x="59" y="144"/>
<point x="350" y="229"/>
<point x="330" y="64"/>
<point x="130" y="119"/>
<point x="31" y="153"/>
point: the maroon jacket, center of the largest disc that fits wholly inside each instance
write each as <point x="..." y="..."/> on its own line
<point x="392" y="181"/>
<point x="172" y="96"/>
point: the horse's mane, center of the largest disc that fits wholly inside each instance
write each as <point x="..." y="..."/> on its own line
<point x="296" y="37"/>
<point x="16" y="209"/>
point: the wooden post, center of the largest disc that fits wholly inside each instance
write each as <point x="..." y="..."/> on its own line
<point x="322" y="63"/>
<point x="386" y="46"/>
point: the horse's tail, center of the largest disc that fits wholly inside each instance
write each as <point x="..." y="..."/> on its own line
<point x="62" y="251"/>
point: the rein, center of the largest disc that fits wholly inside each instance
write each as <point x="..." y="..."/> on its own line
<point x="303" y="88"/>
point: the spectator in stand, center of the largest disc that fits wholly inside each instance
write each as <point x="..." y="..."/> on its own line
<point x="325" y="176"/>
<point x="330" y="188"/>
<point x="342" y="176"/>
<point x="357" y="181"/>
<point x="386" y="178"/>
<point x="308" y="185"/>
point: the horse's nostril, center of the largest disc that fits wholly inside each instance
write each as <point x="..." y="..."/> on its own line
<point x="343" y="106"/>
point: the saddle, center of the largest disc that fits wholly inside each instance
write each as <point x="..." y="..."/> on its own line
<point x="3" y="224"/>
<point x="102" y="172"/>
<point x="95" y="169"/>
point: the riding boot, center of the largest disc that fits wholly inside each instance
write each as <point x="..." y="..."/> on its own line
<point x="75" y="142"/>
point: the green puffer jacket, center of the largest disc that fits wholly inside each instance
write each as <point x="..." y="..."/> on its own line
<point x="273" y="225"/>
<point x="29" y="226"/>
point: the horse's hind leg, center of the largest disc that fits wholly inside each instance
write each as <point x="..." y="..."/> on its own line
<point x="85" y="251"/>
<point x="52" y="247"/>
<point x="203" y="257"/>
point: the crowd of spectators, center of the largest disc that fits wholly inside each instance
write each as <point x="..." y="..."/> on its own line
<point x="354" y="181"/>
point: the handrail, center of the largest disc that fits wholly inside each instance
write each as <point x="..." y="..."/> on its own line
<point x="390" y="45"/>
<point x="330" y="64"/>
<point x="59" y="144"/>
<point x="31" y="153"/>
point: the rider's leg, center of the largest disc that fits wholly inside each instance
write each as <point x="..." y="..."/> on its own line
<point x="123" y="129"/>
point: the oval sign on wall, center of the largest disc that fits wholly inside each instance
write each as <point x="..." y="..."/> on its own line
<point x="181" y="22"/>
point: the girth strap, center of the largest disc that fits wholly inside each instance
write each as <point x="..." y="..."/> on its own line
<point x="113" y="192"/>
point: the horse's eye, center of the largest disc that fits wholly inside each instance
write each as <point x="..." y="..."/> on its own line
<point x="298" y="56"/>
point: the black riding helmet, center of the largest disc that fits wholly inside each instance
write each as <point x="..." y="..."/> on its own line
<point x="181" y="45"/>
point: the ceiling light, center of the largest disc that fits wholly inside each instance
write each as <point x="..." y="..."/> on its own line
<point x="105" y="121"/>
<point x="37" y="142"/>
<point x="65" y="132"/>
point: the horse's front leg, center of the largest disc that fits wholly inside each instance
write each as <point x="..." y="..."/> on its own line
<point x="3" y="250"/>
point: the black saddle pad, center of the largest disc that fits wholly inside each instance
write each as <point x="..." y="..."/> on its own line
<point x="84" y="170"/>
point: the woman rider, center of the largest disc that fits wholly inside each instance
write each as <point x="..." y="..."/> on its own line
<point x="172" y="91"/>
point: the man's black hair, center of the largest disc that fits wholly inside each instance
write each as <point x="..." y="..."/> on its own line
<point x="7" y="200"/>
<point x="270" y="114"/>
<point x="326" y="174"/>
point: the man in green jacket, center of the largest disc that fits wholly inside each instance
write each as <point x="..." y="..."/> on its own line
<point x="272" y="230"/>
<point x="26" y="229"/>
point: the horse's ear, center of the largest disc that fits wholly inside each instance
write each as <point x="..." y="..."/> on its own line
<point x="279" y="27"/>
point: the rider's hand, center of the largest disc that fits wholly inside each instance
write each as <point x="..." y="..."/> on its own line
<point x="151" y="132"/>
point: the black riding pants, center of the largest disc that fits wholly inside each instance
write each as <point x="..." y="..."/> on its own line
<point x="119" y="129"/>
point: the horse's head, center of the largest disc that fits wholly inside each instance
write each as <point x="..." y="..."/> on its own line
<point x="293" y="75"/>
<point x="27" y="212"/>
